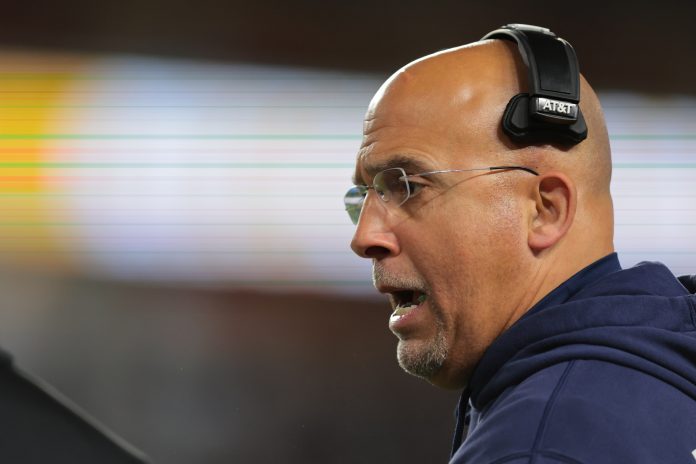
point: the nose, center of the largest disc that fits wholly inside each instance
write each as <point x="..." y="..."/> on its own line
<point x="373" y="236"/>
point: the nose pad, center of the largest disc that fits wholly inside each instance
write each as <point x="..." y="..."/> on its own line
<point x="373" y="236"/>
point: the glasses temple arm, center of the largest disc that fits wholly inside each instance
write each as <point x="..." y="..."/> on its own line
<point x="520" y="168"/>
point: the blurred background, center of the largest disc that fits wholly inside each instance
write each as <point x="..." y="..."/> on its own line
<point x="173" y="247"/>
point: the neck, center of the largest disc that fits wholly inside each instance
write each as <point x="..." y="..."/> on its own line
<point x="550" y="269"/>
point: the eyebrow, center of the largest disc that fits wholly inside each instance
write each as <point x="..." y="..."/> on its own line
<point x="407" y="162"/>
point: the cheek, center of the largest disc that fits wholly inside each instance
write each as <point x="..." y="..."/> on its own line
<point x="473" y="259"/>
<point x="477" y="235"/>
<point x="450" y="259"/>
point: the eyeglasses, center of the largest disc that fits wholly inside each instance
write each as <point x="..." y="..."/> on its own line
<point x="394" y="186"/>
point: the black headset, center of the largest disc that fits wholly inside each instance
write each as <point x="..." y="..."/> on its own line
<point x="550" y="111"/>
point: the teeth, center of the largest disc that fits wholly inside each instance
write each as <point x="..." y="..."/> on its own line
<point x="401" y="310"/>
<point x="406" y="307"/>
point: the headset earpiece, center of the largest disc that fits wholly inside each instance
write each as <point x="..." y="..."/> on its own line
<point x="550" y="112"/>
<point x="520" y="126"/>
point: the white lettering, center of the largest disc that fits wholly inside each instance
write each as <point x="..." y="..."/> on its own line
<point x="693" y="453"/>
<point x="562" y="108"/>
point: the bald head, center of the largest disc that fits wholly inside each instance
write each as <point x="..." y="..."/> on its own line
<point x="460" y="94"/>
<point x="465" y="91"/>
<point x="483" y="246"/>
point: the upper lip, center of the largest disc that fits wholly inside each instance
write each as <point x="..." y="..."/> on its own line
<point x="390" y="292"/>
<point x="395" y="293"/>
<point x="390" y="289"/>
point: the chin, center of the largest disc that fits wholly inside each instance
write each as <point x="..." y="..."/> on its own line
<point x="431" y="361"/>
<point x="423" y="359"/>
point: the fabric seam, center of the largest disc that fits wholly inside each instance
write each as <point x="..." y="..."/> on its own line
<point x="547" y="411"/>
<point x="550" y="454"/>
<point x="692" y="313"/>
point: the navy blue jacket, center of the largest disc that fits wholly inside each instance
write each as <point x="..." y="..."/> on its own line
<point x="602" y="370"/>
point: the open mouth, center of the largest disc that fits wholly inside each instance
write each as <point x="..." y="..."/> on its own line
<point x="405" y="301"/>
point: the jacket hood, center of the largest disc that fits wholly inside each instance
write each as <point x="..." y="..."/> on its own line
<point x="642" y="318"/>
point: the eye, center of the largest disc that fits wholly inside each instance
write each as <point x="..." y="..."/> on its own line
<point x="415" y="186"/>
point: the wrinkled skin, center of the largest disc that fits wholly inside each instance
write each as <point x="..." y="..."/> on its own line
<point x="484" y="246"/>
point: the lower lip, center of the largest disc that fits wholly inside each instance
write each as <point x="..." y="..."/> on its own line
<point x="401" y="325"/>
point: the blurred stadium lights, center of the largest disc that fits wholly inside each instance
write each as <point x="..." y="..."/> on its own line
<point x="232" y="176"/>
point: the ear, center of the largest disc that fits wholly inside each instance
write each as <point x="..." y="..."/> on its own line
<point x="555" y="198"/>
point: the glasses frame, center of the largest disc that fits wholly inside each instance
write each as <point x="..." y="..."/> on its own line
<point x="354" y="203"/>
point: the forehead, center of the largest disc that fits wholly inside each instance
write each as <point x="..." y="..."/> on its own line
<point x="411" y="148"/>
<point x="411" y="163"/>
<point x="390" y="145"/>
<point x="396" y="138"/>
<point x="402" y="129"/>
<point x="431" y="116"/>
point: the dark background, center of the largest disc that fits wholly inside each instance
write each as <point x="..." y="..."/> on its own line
<point x="638" y="45"/>
<point x="225" y="377"/>
<point x="193" y="376"/>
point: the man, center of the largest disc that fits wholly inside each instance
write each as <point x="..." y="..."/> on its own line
<point x="498" y="259"/>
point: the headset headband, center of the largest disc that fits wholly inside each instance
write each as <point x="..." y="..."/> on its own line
<point x="551" y="112"/>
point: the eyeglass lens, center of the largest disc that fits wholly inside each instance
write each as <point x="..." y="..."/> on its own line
<point x="391" y="185"/>
<point x="353" y="200"/>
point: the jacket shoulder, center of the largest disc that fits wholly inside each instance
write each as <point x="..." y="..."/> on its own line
<point x="507" y="428"/>
<point x="584" y="411"/>
<point x="612" y="413"/>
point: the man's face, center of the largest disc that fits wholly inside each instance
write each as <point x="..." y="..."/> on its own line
<point x="447" y="256"/>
